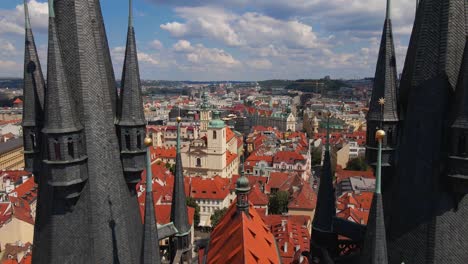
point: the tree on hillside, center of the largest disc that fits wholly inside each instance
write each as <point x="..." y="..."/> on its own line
<point x="278" y="203"/>
<point x="191" y="203"/>
<point x="217" y="216"/>
<point x="357" y="164"/>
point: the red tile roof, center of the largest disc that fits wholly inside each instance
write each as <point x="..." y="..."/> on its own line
<point x="288" y="157"/>
<point x="18" y="101"/>
<point x="290" y="230"/>
<point x="354" y="215"/>
<point x="345" y="174"/>
<point x="163" y="213"/>
<point x="305" y="199"/>
<point x="257" y="198"/>
<point x="230" y="157"/>
<point x="283" y="181"/>
<point x="163" y="153"/>
<point x="215" y="188"/>
<point x="6" y="212"/>
<point x="21" y="198"/>
<point x="242" y="238"/>
<point x="229" y="134"/>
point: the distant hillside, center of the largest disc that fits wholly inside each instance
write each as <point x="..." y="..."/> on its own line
<point x="268" y="84"/>
<point x="12" y="83"/>
<point x="316" y="85"/>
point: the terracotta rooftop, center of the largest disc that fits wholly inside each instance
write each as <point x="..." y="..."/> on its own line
<point x="305" y="199"/>
<point x="242" y="238"/>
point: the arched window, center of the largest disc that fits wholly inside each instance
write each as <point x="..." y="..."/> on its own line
<point x="390" y="137"/>
<point x="71" y="148"/>
<point x="462" y="145"/>
<point x="127" y="141"/>
<point x="199" y="162"/>
<point x="215" y="135"/>
<point x="138" y="140"/>
<point x="57" y="150"/>
<point x="33" y="139"/>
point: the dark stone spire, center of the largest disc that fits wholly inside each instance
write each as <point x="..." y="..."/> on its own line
<point x="150" y="248"/>
<point x="33" y="91"/>
<point x="179" y="214"/>
<point x="131" y="123"/>
<point x="375" y="242"/>
<point x="110" y="226"/>
<point x="323" y="235"/>
<point x="458" y="158"/>
<point x="65" y="165"/>
<point x="428" y="219"/>
<point x="383" y="108"/>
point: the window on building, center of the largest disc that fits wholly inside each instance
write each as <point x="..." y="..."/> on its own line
<point x="127" y="141"/>
<point x="390" y="136"/>
<point x="57" y="150"/>
<point x="71" y="148"/>
<point x="138" y="140"/>
<point x="33" y="139"/>
<point x="215" y="135"/>
<point x="199" y="162"/>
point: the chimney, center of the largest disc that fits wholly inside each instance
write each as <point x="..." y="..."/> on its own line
<point x="286" y="247"/>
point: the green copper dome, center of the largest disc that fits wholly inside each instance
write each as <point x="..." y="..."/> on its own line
<point x="216" y="122"/>
<point x="242" y="184"/>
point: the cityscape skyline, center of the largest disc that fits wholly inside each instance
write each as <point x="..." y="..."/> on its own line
<point x="232" y="40"/>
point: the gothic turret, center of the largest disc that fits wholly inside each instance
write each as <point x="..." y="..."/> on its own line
<point x="375" y="242"/>
<point x="33" y="91"/>
<point x="65" y="166"/>
<point x="458" y="159"/>
<point x="66" y="153"/>
<point x="242" y="192"/>
<point x="180" y="244"/>
<point x="323" y="242"/>
<point x="131" y="123"/>
<point x="427" y="222"/>
<point x="150" y="248"/>
<point x="383" y="106"/>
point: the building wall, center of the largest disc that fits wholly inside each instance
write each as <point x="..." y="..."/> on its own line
<point x="16" y="230"/>
<point x="12" y="160"/>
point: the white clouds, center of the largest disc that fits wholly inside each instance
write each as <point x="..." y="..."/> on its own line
<point x="260" y="64"/>
<point x="205" y="57"/>
<point x="156" y="44"/>
<point x="247" y="30"/>
<point x="147" y="58"/>
<point x="12" y="21"/>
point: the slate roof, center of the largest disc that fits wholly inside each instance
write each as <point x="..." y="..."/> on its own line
<point x="11" y="145"/>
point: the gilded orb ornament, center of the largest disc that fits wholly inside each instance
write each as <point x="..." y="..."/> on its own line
<point x="179" y="119"/>
<point x="380" y="134"/>
<point x="148" y="141"/>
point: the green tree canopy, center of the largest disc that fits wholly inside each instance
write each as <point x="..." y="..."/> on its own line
<point x="217" y="216"/>
<point x="192" y="203"/>
<point x="278" y="203"/>
<point x="316" y="156"/>
<point x="357" y="164"/>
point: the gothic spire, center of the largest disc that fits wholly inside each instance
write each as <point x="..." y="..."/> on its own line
<point x="385" y="83"/>
<point x="60" y="116"/>
<point x="375" y="242"/>
<point x="179" y="213"/>
<point x="325" y="211"/>
<point x="34" y="84"/>
<point x="131" y="110"/>
<point x="150" y="248"/>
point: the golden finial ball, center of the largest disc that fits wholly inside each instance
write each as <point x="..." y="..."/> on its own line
<point x="380" y="134"/>
<point x="148" y="141"/>
<point x="179" y="119"/>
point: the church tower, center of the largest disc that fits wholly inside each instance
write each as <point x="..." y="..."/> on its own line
<point x="33" y="91"/>
<point x="65" y="161"/>
<point x="205" y="113"/>
<point x="323" y="244"/>
<point x="383" y="108"/>
<point x="131" y="119"/>
<point x="180" y="244"/>
<point x="428" y="217"/>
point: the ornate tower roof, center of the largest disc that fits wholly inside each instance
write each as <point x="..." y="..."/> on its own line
<point x="375" y="242"/>
<point x="60" y="112"/>
<point x="216" y="122"/>
<point x="179" y="204"/>
<point x="242" y="192"/>
<point x="385" y="83"/>
<point x="34" y="84"/>
<point x="150" y="248"/>
<point x="131" y="110"/>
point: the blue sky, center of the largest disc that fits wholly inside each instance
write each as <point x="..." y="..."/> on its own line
<point x="231" y="39"/>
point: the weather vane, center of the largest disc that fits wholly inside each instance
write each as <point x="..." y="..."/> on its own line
<point x="381" y="103"/>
